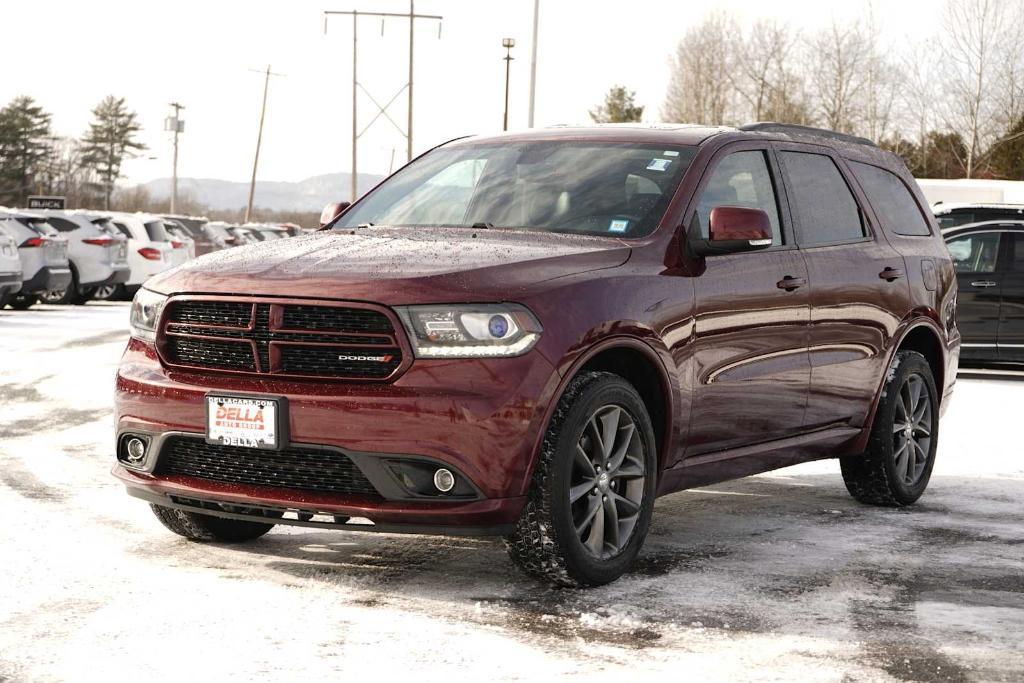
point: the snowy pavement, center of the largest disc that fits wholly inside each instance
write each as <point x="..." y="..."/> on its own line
<point x="779" y="577"/>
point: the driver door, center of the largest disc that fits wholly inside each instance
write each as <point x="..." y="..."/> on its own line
<point x="752" y="323"/>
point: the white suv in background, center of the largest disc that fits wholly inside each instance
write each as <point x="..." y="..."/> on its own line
<point x="151" y="250"/>
<point x="98" y="254"/>
<point x="43" y="253"/>
<point x="10" y="269"/>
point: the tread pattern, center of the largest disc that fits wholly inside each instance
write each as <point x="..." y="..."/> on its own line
<point x="207" y="528"/>
<point x="866" y="476"/>
<point x="532" y="545"/>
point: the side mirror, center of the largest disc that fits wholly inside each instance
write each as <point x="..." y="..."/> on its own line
<point x="733" y="229"/>
<point x="332" y="211"/>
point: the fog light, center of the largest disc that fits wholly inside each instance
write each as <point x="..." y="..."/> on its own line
<point x="136" y="450"/>
<point x="444" y="480"/>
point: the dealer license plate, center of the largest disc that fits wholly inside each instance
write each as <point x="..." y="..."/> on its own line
<point x="252" y="422"/>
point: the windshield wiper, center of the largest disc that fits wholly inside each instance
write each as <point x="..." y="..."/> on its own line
<point x="483" y="225"/>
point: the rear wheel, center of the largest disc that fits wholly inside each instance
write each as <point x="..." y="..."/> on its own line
<point x="197" y="527"/>
<point x="105" y="293"/>
<point x="897" y="465"/>
<point x="592" y="493"/>
<point x="72" y="294"/>
<point x="5" y="298"/>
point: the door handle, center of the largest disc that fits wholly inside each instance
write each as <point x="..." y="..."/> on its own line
<point x="789" y="283"/>
<point x="984" y="283"/>
<point x="890" y="274"/>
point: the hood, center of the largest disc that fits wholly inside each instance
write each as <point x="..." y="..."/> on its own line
<point x="395" y="265"/>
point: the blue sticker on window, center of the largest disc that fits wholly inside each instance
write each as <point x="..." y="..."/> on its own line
<point x="659" y="164"/>
<point x="618" y="225"/>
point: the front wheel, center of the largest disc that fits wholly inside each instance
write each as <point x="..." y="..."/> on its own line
<point x="197" y="527"/>
<point x="897" y="465"/>
<point x="592" y="492"/>
<point x="23" y="302"/>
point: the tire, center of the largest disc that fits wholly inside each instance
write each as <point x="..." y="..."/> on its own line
<point x="888" y="474"/>
<point x="207" y="528"/>
<point x="23" y="302"/>
<point x="546" y="542"/>
<point x="83" y="295"/>
<point x="5" y="298"/>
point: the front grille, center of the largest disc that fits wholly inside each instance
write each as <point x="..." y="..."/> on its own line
<point x="305" y="468"/>
<point x="296" y="340"/>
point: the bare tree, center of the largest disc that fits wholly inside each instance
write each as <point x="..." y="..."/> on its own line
<point x="975" y="50"/>
<point x="838" y="57"/>
<point x="917" y="98"/>
<point x="880" y="81"/>
<point x="761" y="68"/>
<point x="701" y="87"/>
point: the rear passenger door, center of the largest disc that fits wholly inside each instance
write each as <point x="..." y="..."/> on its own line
<point x="979" y="299"/>
<point x="1011" y="313"/>
<point x="859" y="291"/>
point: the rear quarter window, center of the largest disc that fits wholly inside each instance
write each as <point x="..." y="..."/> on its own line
<point x="62" y="224"/>
<point x="892" y="201"/>
<point x="824" y="204"/>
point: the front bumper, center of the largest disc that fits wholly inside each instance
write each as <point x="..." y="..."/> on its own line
<point x="482" y="418"/>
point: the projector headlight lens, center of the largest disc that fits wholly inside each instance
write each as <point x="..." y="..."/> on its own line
<point x="145" y="314"/>
<point x="470" y="331"/>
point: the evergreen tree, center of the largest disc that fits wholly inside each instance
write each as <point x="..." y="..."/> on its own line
<point x="110" y="140"/>
<point x="24" y="148"/>
<point x="618" y="107"/>
<point x="1007" y="155"/>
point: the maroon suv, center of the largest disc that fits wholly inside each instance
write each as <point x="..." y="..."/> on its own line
<point x="534" y="335"/>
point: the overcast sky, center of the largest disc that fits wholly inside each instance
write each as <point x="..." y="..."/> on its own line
<point x="70" y="54"/>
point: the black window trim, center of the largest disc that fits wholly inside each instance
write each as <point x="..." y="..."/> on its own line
<point x="786" y="227"/>
<point x="1002" y="256"/>
<point x="867" y="219"/>
<point x="929" y="218"/>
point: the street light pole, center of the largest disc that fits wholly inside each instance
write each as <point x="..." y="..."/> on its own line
<point x="408" y="126"/>
<point x="508" y="44"/>
<point x="175" y="124"/>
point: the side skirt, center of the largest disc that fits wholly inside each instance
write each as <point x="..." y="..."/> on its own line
<point x="712" y="468"/>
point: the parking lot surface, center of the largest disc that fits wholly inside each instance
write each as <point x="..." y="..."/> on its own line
<point x="779" y="577"/>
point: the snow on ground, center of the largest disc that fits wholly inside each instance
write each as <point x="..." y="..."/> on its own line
<point x="779" y="577"/>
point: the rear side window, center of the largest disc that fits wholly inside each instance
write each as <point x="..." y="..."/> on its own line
<point x="975" y="253"/>
<point x="740" y="179"/>
<point x="1017" y="257"/>
<point x="62" y="224"/>
<point x="822" y="200"/>
<point x="123" y="229"/>
<point x="893" y="203"/>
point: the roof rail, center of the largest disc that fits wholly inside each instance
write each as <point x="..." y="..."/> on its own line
<point x="771" y="127"/>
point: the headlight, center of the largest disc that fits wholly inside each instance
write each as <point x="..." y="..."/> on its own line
<point x="470" y="331"/>
<point x="145" y="315"/>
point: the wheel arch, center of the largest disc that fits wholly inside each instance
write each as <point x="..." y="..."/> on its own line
<point x="921" y="335"/>
<point x="642" y="366"/>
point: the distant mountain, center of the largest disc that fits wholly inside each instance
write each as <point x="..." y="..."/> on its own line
<point x="306" y="195"/>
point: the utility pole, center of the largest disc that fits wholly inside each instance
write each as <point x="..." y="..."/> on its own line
<point x="356" y="85"/>
<point x="508" y="44"/>
<point x="259" y="139"/>
<point x="175" y="124"/>
<point x="533" y="61"/>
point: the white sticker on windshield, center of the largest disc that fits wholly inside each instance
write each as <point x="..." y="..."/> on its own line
<point x="670" y="153"/>
<point x="618" y="225"/>
<point x="659" y="164"/>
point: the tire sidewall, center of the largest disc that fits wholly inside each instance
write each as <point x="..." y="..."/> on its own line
<point x="912" y="364"/>
<point x="584" y="567"/>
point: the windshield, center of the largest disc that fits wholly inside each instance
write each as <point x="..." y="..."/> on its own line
<point x="618" y="189"/>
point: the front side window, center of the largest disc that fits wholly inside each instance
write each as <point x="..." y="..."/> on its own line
<point x="975" y="253"/>
<point x="740" y="179"/>
<point x="894" y="205"/>
<point x="822" y="200"/>
<point x="582" y="187"/>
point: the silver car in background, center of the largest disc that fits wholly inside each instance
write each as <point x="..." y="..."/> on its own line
<point x="97" y="251"/>
<point x="43" y="253"/>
